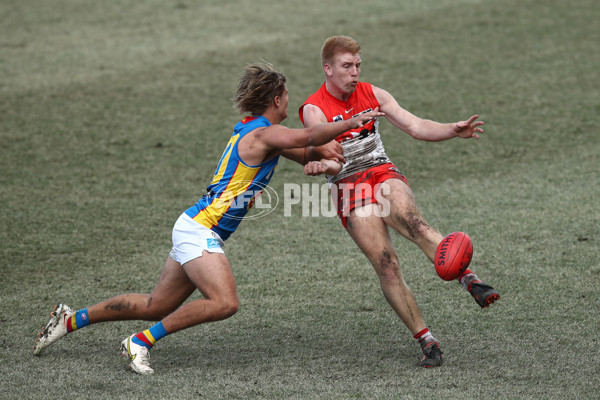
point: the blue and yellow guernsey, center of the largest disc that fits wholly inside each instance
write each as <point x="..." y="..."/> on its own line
<point x="235" y="184"/>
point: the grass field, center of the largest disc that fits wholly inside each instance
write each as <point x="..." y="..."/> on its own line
<point x="113" y="115"/>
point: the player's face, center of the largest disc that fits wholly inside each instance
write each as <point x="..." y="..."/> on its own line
<point x="284" y="100"/>
<point x="345" y="71"/>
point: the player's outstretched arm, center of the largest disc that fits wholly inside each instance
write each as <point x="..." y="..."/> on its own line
<point x="280" y="137"/>
<point x="265" y="143"/>
<point x="332" y="151"/>
<point x="423" y="129"/>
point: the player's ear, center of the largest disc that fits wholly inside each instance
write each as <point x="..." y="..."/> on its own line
<point x="277" y="101"/>
<point x="327" y="68"/>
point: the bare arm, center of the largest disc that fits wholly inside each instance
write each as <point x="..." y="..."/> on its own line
<point x="324" y="166"/>
<point x="313" y="116"/>
<point x="423" y="129"/>
<point x="265" y="143"/>
<point x="281" y="137"/>
<point x="332" y="150"/>
<point x="326" y="159"/>
<point x="297" y="155"/>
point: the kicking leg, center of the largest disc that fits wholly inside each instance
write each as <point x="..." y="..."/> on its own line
<point x="404" y="217"/>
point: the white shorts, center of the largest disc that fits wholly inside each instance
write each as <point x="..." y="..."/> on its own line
<point x="190" y="240"/>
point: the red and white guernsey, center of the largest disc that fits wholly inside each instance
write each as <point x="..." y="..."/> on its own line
<point x="363" y="148"/>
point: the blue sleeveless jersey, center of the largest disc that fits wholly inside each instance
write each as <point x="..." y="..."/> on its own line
<point x="234" y="186"/>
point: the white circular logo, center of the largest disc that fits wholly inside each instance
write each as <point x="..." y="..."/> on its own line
<point x="259" y="201"/>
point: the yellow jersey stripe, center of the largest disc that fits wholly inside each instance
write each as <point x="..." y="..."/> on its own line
<point x="239" y="183"/>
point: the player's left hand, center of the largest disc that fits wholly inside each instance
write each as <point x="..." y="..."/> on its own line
<point x="469" y="128"/>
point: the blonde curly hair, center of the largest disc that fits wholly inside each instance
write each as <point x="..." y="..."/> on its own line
<point x="258" y="86"/>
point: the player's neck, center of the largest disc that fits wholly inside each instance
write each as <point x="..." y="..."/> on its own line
<point x="273" y="115"/>
<point x="336" y="92"/>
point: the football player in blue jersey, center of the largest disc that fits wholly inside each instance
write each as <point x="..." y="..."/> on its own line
<point x="197" y="260"/>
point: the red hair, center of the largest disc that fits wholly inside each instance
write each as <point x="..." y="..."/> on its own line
<point x="336" y="45"/>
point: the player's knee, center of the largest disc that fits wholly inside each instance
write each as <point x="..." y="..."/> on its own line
<point x="388" y="267"/>
<point x="232" y="307"/>
<point x="229" y="306"/>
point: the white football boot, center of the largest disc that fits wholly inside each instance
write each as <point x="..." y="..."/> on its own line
<point x="55" y="329"/>
<point x="138" y="355"/>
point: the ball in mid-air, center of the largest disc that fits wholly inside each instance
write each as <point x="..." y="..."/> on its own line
<point x="453" y="255"/>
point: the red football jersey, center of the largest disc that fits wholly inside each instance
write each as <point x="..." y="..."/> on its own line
<point x="362" y="100"/>
<point x="363" y="148"/>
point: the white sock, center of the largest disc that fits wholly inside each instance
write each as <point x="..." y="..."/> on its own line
<point x="467" y="279"/>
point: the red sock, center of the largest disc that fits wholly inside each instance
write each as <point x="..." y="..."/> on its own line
<point x="424" y="336"/>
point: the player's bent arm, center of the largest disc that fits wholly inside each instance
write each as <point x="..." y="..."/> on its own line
<point x="418" y="128"/>
<point x="297" y="155"/>
<point x="304" y="155"/>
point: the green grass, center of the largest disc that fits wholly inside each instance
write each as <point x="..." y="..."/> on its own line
<point x="112" y="118"/>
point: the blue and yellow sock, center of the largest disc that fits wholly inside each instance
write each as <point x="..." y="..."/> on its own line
<point x="148" y="337"/>
<point x="78" y="320"/>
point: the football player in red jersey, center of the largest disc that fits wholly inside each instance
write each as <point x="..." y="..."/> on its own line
<point x="370" y="193"/>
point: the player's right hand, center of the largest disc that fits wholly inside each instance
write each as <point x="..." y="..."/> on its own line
<point x="314" y="168"/>
<point x="362" y="119"/>
<point x="331" y="150"/>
